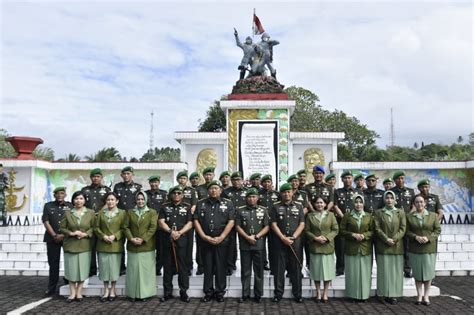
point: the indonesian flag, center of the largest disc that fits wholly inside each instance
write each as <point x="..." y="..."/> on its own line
<point x="257" y="26"/>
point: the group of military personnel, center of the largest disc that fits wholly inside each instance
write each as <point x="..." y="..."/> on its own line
<point x="216" y="211"/>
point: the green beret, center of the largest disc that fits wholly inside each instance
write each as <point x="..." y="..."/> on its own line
<point x="397" y="174"/>
<point x="266" y="177"/>
<point x="301" y="172"/>
<point x="370" y="176"/>
<point x="423" y="182"/>
<point x="182" y="173"/>
<point x="214" y="183"/>
<point x="251" y="192"/>
<point x="329" y="177"/>
<point x="358" y="176"/>
<point x="127" y="169"/>
<point x="208" y="170"/>
<point x="285" y="187"/>
<point x="175" y="188"/>
<point x="387" y="180"/>
<point x="153" y="178"/>
<point x="224" y="173"/>
<point x="58" y="189"/>
<point x="255" y="176"/>
<point x="291" y="178"/>
<point x="236" y="175"/>
<point x="96" y="171"/>
<point x="346" y="173"/>
<point x="193" y="175"/>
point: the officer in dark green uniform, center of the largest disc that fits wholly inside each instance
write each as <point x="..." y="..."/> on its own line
<point x="252" y="225"/>
<point x="343" y="204"/>
<point x="194" y="179"/>
<point x="236" y="194"/>
<point x="52" y="214"/>
<point x="213" y="220"/>
<point x="373" y="197"/>
<point x="255" y="181"/>
<point x="359" y="183"/>
<point x="208" y="174"/>
<point x="225" y="179"/>
<point x="175" y="220"/>
<point x="404" y="197"/>
<point x="388" y="183"/>
<point x="302" y="179"/>
<point x="94" y="194"/>
<point x="320" y="189"/>
<point x="331" y="180"/>
<point x="156" y="198"/>
<point x="432" y="201"/>
<point x="287" y="221"/>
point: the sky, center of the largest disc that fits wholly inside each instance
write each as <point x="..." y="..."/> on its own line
<point x="86" y="75"/>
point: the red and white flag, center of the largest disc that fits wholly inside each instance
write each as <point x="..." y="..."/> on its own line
<point x="257" y="26"/>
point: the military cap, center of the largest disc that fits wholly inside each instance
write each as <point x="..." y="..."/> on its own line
<point x="318" y="168"/>
<point x="224" y="173"/>
<point x="255" y="176"/>
<point x="301" y="172"/>
<point x="285" y="187"/>
<point x="175" y="188"/>
<point x="96" y="171"/>
<point x="266" y="177"/>
<point x="388" y="180"/>
<point x="58" y="189"/>
<point x="153" y="178"/>
<point x="423" y="182"/>
<point x="358" y="176"/>
<point x="208" y="170"/>
<point x="346" y="173"/>
<point x="329" y="177"/>
<point x="236" y="175"/>
<point x="370" y="176"/>
<point x="214" y="183"/>
<point x="397" y="174"/>
<point x="251" y="192"/>
<point x="182" y="173"/>
<point x="291" y="178"/>
<point x="127" y="169"/>
<point x="193" y="175"/>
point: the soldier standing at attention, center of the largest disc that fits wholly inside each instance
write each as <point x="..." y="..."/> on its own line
<point x="331" y="180"/>
<point x="403" y="200"/>
<point x="359" y="183"/>
<point x="52" y="214"/>
<point x="194" y="179"/>
<point x="388" y="183"/>
<point x="344" y="203"/>
<point x="373" y="197"/>
<point x="255" y="180"/>
<point x="287" y="221"/>
<point x="302" y="179"/>
<point x="225" y="179"/>
<point x="95" y="200"/>
<point x="213" y="221"/>
<point x="252" y="224"/>
<point x="208" y="174"/>
<point x="156" y="198"/>
<point x="320" y="189"/>
<point x="432" y="201"/>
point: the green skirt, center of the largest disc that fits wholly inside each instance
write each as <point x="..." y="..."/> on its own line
<point x="141" y="275"/>
<point x="358" y="271"/>
<point x="389" y="275"/>
<point x="77" y="266"/>
<point x="423" y="266"/>
<point x="322" y="267"/>
<point x="109" y="266"/>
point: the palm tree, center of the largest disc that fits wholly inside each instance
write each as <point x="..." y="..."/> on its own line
<point x="105" y="155"/>
<point x="71" y="157"/>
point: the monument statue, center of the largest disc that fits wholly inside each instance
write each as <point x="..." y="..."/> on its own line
<point x="205" y="158"/>
<point x="312" y="157"/>
<point x="248" y="48"/>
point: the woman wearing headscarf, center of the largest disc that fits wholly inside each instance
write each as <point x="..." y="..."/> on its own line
<point x="357" y="229"/>
<point x="390" y="226"/>
<point x="423" y="230"/>
<point x="140" y="228"/>
<point x="320" y="230"/>
<point x="77" y="225"/>
<point x="110" y="240"/>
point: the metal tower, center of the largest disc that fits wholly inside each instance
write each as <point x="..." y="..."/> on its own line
<point x="152" y="144"/>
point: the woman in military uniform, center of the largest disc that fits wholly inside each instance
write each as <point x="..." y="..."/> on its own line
<point x="77" y="225"/>
<point x="320" y="229"/>
<point x="140" y="228"/>
<point x="357" y="229"/>
<point x="423" y="230"/>
<point x="110" y="239"/>
<point x="390" y="225"/>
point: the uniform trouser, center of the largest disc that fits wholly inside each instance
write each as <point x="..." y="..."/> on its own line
<point x="159" y="237"/>
<point x="286" y="260"/>
<point x="249" y="258"/>
<point x="54" y="256"/>
<point x="232" y="251"/>
<point x="339" y="244"/>
<point x="169" y="267"/>
<point x="272" y="252"/>
<point x="199" y="261"/>
<point x="406" y="263"/>
<point x="189" y="250"/>
<point x="307" y="253"/>
<point x="93" y="268"/>
<point x="214" y="259"/>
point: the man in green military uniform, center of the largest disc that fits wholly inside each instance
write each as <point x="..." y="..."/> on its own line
<point x="208" y="174"/>
<point x="156" y="198"/>
<point x="52" y="214"/>
<point x="3" y="186"/>
<point x="359" y="183"/>
<point x="300" y="196"/>
<point x="194" y="179"/>
<point x="252" y="225"/>
<point x="343" y="204"/>
<point x="301" y="179"/>
<point x="175" y="220"/>
<point x="320" y="189"/>
<point x="287" y="221"/>
<point x="388" y="183"/>
<point x="213" y="220"/>
<point x="255" y="180"/>
<point x="236" y="194"/>
<point x="432" y="201"/>
<point x="404" y="197"/>
<point x="330" y="180"/>
<point x="373" y="197"/>
<point x="225" y="179"/>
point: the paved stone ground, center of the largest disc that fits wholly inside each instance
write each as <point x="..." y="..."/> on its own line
<point x="16" y="291"/>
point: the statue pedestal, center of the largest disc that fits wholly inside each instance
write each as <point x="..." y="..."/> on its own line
<point x="24" y="146"/>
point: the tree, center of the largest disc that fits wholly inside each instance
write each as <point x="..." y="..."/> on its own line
<point x="215" y="119"/>
<point x="6" y="149"/>
<point x="161" y="155"/>
<point x="105" y="155"/>
<point x="71" y="157"/>
<point x="44" y="153"/>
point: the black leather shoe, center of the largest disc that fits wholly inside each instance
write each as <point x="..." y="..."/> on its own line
<point x="220" y="299"/>
<point x="298" y="299"/>
<point x="48" y="292"/>
<point x="418" y="303"/>
<point x="199" y="272"/>
<point x="206" y="299"/>
<point x="257" y="299"/>
<point x="166" y="298"/>
<point x="185" y="298"/>
<point x="158" y="273"/>
<point x="123" y="272"/>
<point x="426" y="303"/>
<point x="276" y="299"/>
<point x="68" y="300"/>
<point x="317" y="300"/>
<point x="339" y="273"/>
<point x="112" y="298"/>
<point x="243" y="299"/>
<point x="103" y="299"/>
<point x="393" y="301"/>
<point x="407" y="274"/>
<point x="79" y="300"/>
<point x="266" y="268"/>
<point x="229" y="272"/>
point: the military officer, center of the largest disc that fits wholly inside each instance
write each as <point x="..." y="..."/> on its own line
<point x="432" y="201"/>
<point x="52" y="214"/>
<point x="175" y="219"/>
<point x="388" y="183"/>
<point x="287" y="221"/>
<point x="156" y="198"/>
<point x="359" y="183"/>
<point x="252" y="225"/>
<point x="194" y="179"/>
<point x="213" y="220"/>
<point x="236" y="194"/>
<point x="373" y="197"/>
<point x="344" y="203"/>
<point x="255" y="181"/>
<point x="300" y="196"/>
<point x="225" y="179"/>
<point x="331" y="180"/>
<point x="320" y="189"/>
<point x="403" y="198"/>
<point x="208" y="174"/>
<point x="302" y="179"/>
